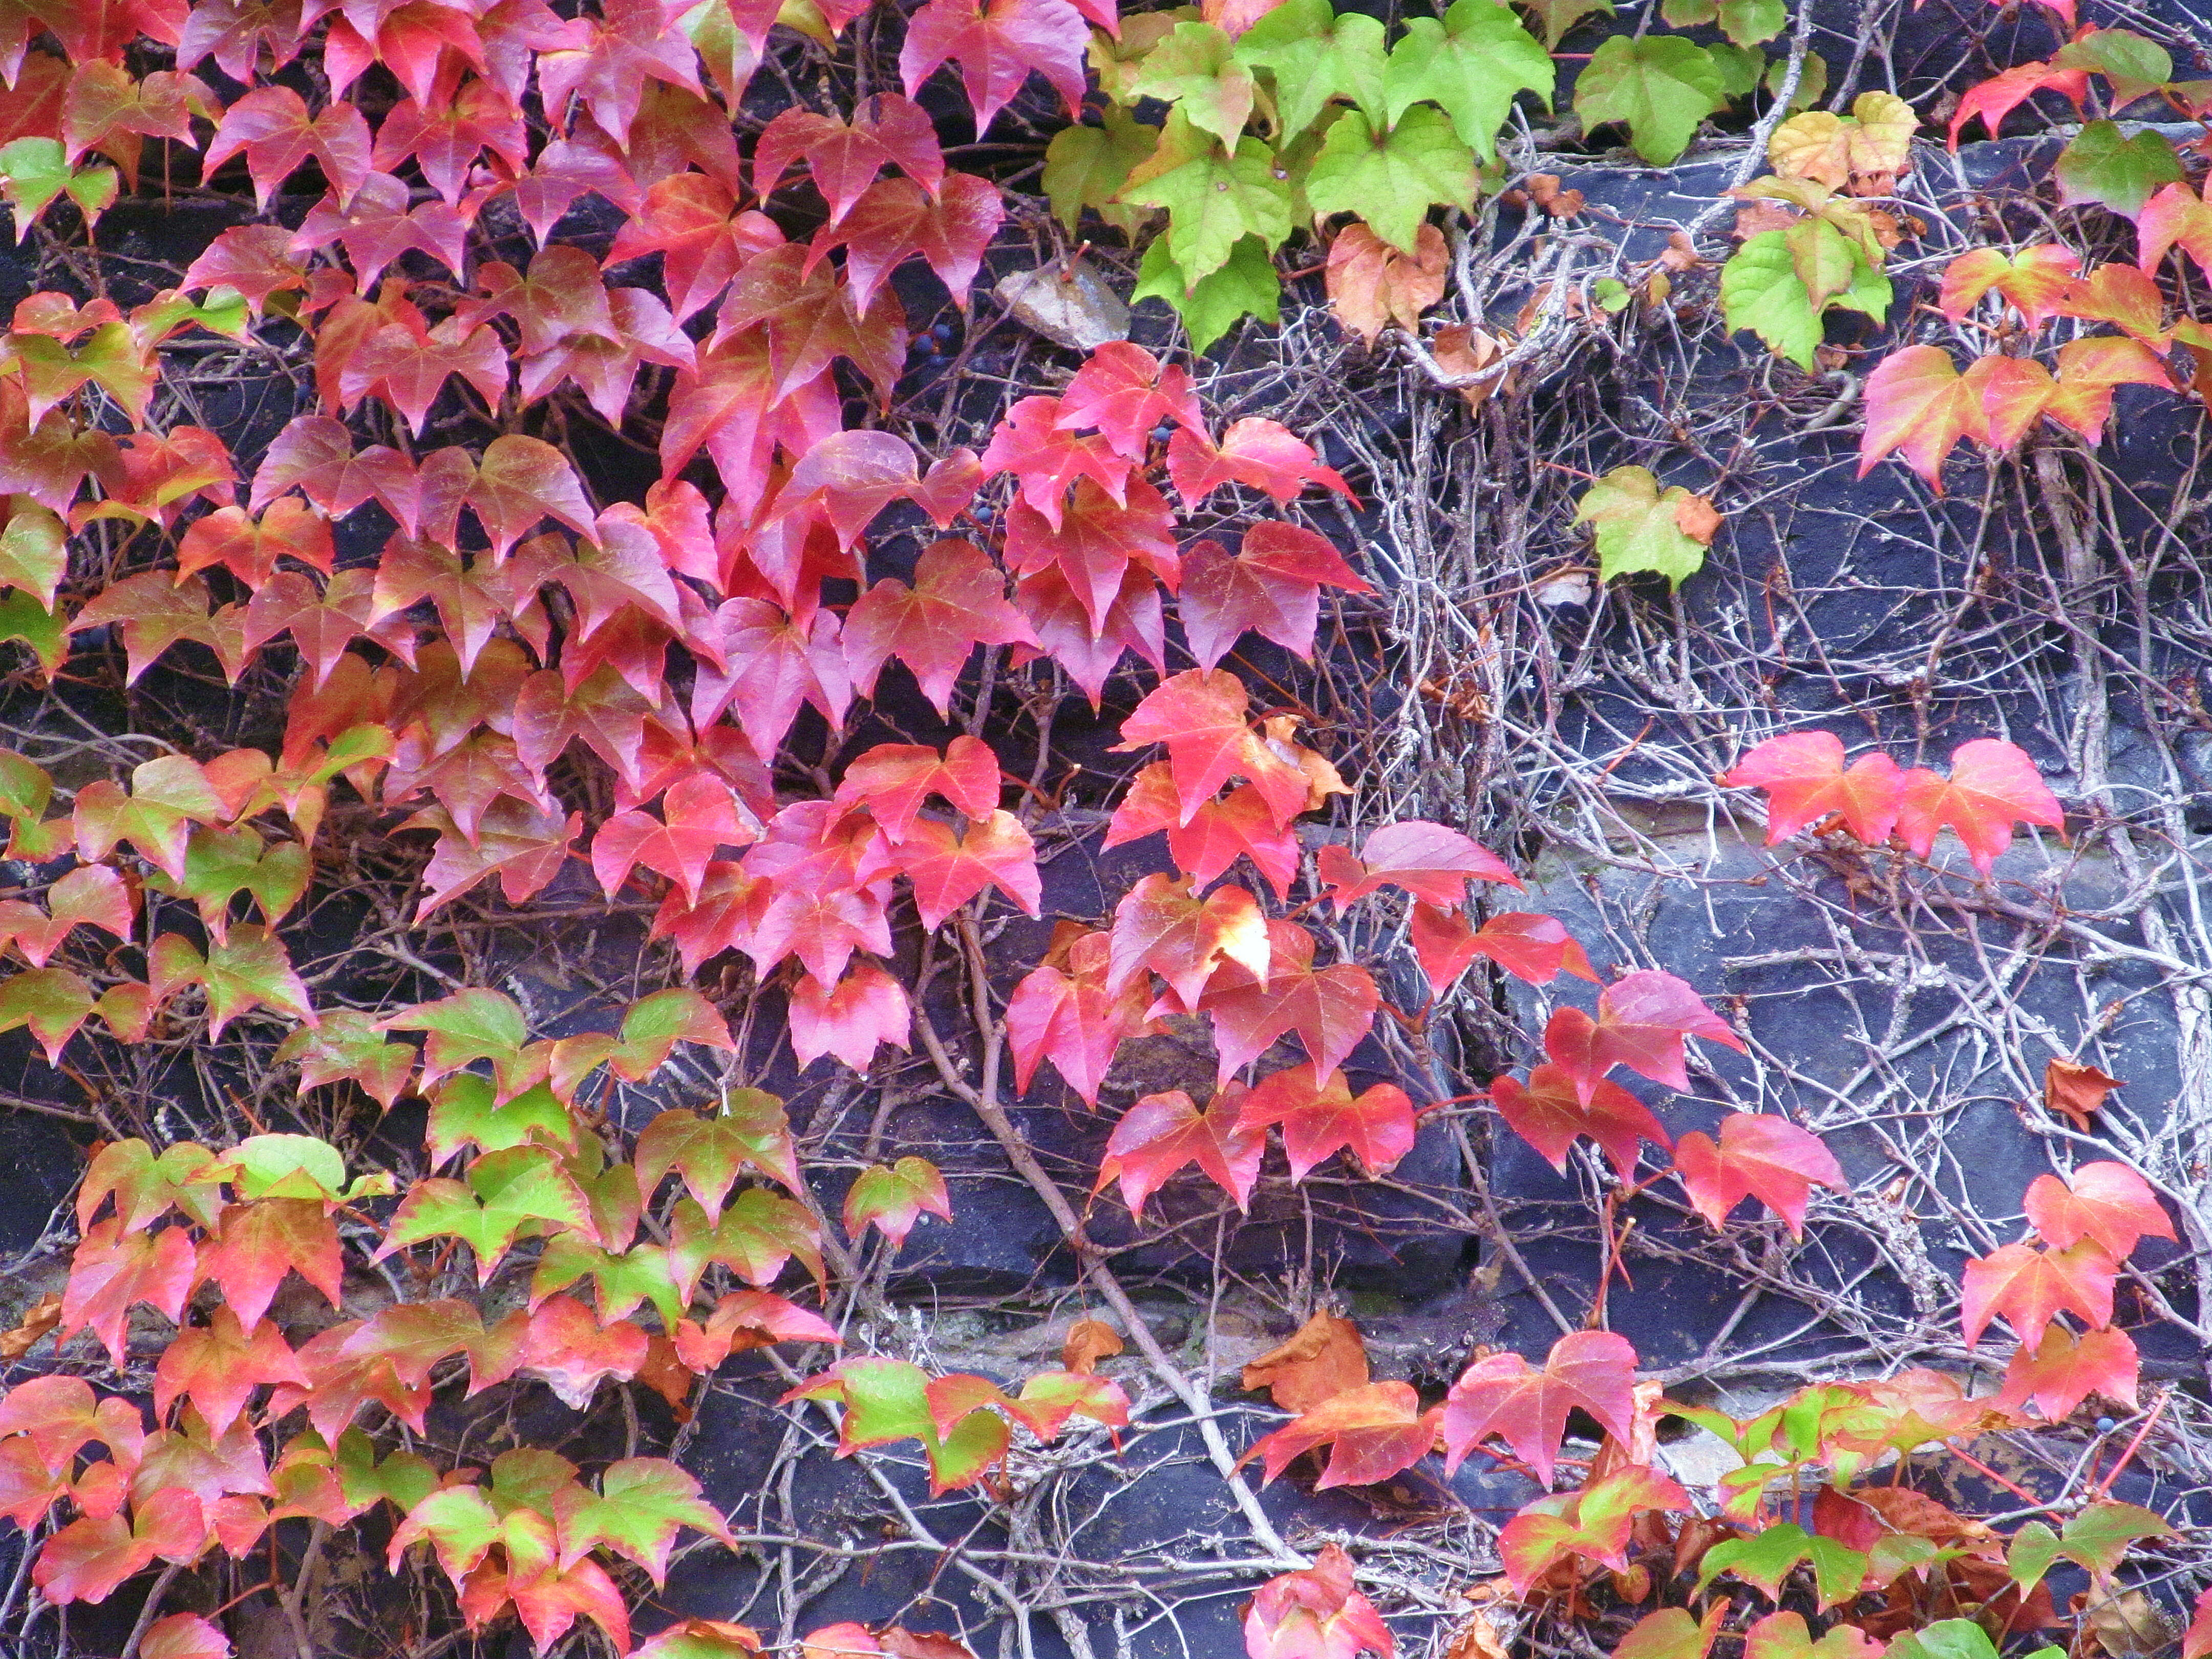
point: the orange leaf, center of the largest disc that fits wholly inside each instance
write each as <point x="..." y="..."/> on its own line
<point x="1323" y="1358"/>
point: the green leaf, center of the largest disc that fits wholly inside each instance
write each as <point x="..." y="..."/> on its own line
<point x="1195" y="69"/>
<point x="959" y="1459"/>
<point x="250" y="969"/>
<point x="1212" y="200"/>
<point x="884" y="1400"/>
<point x="25" y="790"/>
<point x="640" y="1504"/>
<point x="285" y="1166"/>
<point x="642" y="1274"/>
<point x="349" y="1044"/>
<point x="459" y="1523"/>
<point x="1948" y="1639"/>
<point x="1761" y="290"/>
<point x="506" y="1192"/>
<point x="2134" y="65"/>
<point x="46" y="632"/>
<point x="402" y="1478"/>
<point x="1314" y="56"/>
<point x="1812" y="79"/>
<point x="1391" y="178"/>
<point x="52" y="1001"/>
<point x="1826" y="261"/>
<point x="33" y="552"/>
<point x="34" y="170"/>
<point x="2105" y="166"/>
<point x="1661" y="86"/>
<point x="1739" y="68"/>
<point x="220" y="864"/>
<point x="1246" y="286"/>
<point x="1640" y="529"/>
<point x="1085" y="167"/>
<point x="470" y="1025"/>
<point x="1689" y="13"/>
<point x="2098" y="1538"/>
<point x="1473" y="64"/>
<point x="1769" y="1556"/>
<point x="1557" y="16"/>
<point x="1748" y="22"/>
<point x="466" y="1111"/>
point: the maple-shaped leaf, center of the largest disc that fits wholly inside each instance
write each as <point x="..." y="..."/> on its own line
<point x="2176" y="216"/>
<point x="145" y="1188"/>
<point x="1200" y="716"/>
<point x="184" y="1636"/>
<point x="2106" y="1203"/>
<point x="256" y="1244"/>
<point x="1806" y="781"/>
<point x="2029" y="1287"/>
<point x="91" y="895"/>
<point x="52" y="1001"/>
<point x="1429" y="860"/>
<point x="1030" y="442"/>
<point x="1320" y="1115"/>
<point x="1323" y="1358"/>
<point x="1549" y="1112"/>
<point x="111" y="1271"/>
<point x="845" y="157"/>
<point x="947" y="870"/>
<point x="249" y="547"/>
<point x="897" y="218"/>
<point x="1240" y="823"/>
<point x="710" y="1152"/>
<point x="1529" y="947"/>
<point x="1330" y="1009"/>
<point x="1093" y="541"/>
<point x="691" y="220"/>
<point x="271" y="125"/>
<point x="2033" y="282"/>
<point x="1315" y="1613"/>
<point x="2058" y="1373"/>
<point x="506" y="1192"/>
<point x="958" y="602"/>
<point x="1372" y="286"/>
<point x="2122" y="295"/>
<point x="1993" y="784"/>
<point x="1758" y="1156"/>
<point x="379" y="225"/>
<point x="1064" y="1012"/>
<point x="408" y="367"/>
<point x="1994" y="99"/>
<point x="1595" y="1524"/>
<point x="1160" y="1134"/>
<point x="1123" y="392"/>
<point x="1271" y="587"/>
<point x="1917" y="403"/>
<point x="699" y="815"/>
<point x="87" y="1560"/>
<point x="1372" y="1431"/>
<point x="473" y="1023"/>
<point x="997" y="43"/>
<point x="1262" y="453"/>
<point x="564" y="1344"/>
<point x="445" y="138"/>
<point x="611" y="60"/>
<point x="895" y="778"/>
<point x="218" y="1365"/>
<point x="743" y="1320"/>
<point x="1527" y="1407"/>
<point x="775" y="665"/>
<point x="641" y="1506"/>
<point x="1643" y="1019"/>
<point x="892" y="1198"/>
<point x="851" y="1018"/>
<point x="518" y="842"/>
<point x="1161" y="926"/>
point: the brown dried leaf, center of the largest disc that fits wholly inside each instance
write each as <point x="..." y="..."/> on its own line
<point x="1696" y="516"/>
<point x="1544" y="189"/>
<point x="2075" y="1091"/>
<point x="1373" y="286"/>
<point x="39" y="1318"/>
<point x="1324" y="1359"/>
<point x="1463" y="351"/>
<point x="1089" y="1341"/>
<point x="1754" y="217"/>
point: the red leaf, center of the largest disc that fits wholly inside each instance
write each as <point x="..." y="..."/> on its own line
<point x="2029" y="1288"/>
<point x="1997" y="97"/>
<point x="446" y="137"/>
<point x="2106" y="1203"/>
<point x="1642" y="1020"/>
<point x="744" y="1320"/>
<point x="271" y="125"/>
<point x="898" y="217"/>
<point x="1241" y="823"/>
<point x="1093" y="541"/>
<point x="1122" y="392"/>
<point x="1759" y="1156"/>
<point x="1432" y="863"/>
<point x="1549" y="1112"/>
<point x="1373" y="1432"/>
<point x="687" y="219"/>
<point x="1069" y="1018"/>
<point x="1330" y="1009"/>
<point x="2058" y="1373"/>
<point x="92" y="895"/>
<point x="1161" y="1133"/>
<point x="886" y="131"/>
<point x="894" y="779"/>
<point x="996" y="48"/>
<point x="1596" y="1524"/>
<point x="1805" y="780"/>
<point x="378" y="227"/>
<point x="562" y="1343"/>
<point x="947" y="871"/>
<point x="184" y="1636"/>
<point x="1320" y="1118"/>
<point x="256" y="1244"/>
<point x="1504" y="1395"/>
<point x="774" y="665"/>
<point x="1160" y="927"/>
<point x="957" y="603"/>
<point x="849" y="1019"/>
<point x="1200" y="715"/>
<point x="610" y="61"/>
<point x="1030" y="442"/>
<point x="408" y="367"/>
<point x="87" y="1560"/>
<point x="1992" y="784"/>
<point x="1531" y="947"/>
<point x="2175" y="217"/>
<point x="1315" y="1613"/>
<point x="1915" y="402"/>
<point x="113" y="1270"/>
<point x="700" y="815"/>
<point x="1271" y="588"/>
<point x="218" y="1365"/>
<point x="1259" y="453"/>
<point x="2033" y="282"/>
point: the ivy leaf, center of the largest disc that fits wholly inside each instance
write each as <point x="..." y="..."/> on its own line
<point x="2106" y="1203"/>
<point x="1372" y="286"/>
<point x="1758" y="1156"/>
<point x="947" y="870"/>
<point x="1373" y="1432"/>
<point x="1160" y="927"/>
<point x="256" y="1243"/>
<point x="1320" y="1115"/>
<point x="1768" y="1557"/>
<point x="897" y="218"/>
<point x="2034" y="283"/>
<point x="1064" y="1012"/>
<point x="92" y="895"/>
<point x="700" y="815"/>
<point x="1315" y="1613"/>
<point x="1661" y="86"/>
<point x="641" y="1504"/>
<point x="218" y="1365"/>
<point x="1638" y="528"/>
<point x="111" y="1271"/>
<point x="52" y="1001"/>
<point x="1431" y="861"/>
<point x="1916" y="403"/>
<point x="1559" y="17"/>
<point x="1390" y="178"/>
<point x="1594" y="1371"/>
<point x="564" y="1344"/>
<point x="1241" y="823"/>
<point x="2058" y="1373"/>
<point x="87" y="1560"/>
<point x="34" y="553"/>
<point x="895" y="778"/>
<point x="850" y="1019"/>
<point x="1197" y="70"/>
<point x="2097" y="1538"/>
<point x="506" y="1192"/>
<point x="1330" y="1009"/>
<point x="1323" y="1357"/>
<point x="1993" y="784"/>
<point x="1200" y="715"/>
<point x="1806" y="781"/>
<point x="1211" y="305"/>
<point x="1271" y="587"/>
<point x="2102" y="165"/>
<point x="1161" y="1133"/>
<point x="471" y="1025"/>
<point x="997" y="43"/>
<point x="958" y="602"/>
<point x="1474" y="62"/>
<point x="184" y="1636"/>
<point x="1550" y="1114"/>
<point x="2028" y="1287"/>
<point x="845" y="158"/>
<point x="167" y="797"/>
<point x="750" y="1132"/>
<point x="1085" y="167"/>
<point x="1212" y="199"/>
<point x="892" y="1197"/>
